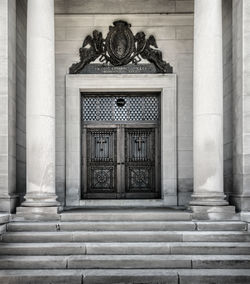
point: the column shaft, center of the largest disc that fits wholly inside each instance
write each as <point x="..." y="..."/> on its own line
<point x="40" y="113"/>
<point x="208" y="104"/>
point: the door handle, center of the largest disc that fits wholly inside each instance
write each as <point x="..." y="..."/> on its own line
<point x="120" y="163"/>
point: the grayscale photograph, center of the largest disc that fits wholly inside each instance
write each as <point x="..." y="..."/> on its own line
<point x="124" y="141"/>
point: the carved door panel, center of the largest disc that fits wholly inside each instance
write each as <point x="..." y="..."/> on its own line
<point x="101" y="163"/>
<point x="141" y="163"/>
<point x="121" y="163"/>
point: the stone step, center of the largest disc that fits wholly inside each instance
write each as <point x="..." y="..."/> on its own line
<point x="192" y="248"/>
<point x="122" y="276"/>
<point x="127" y="236"/>
<point x="42" y="248"/>
<point x="158" y="261"/>
<point x="126" y="262"/>
<point x="168" y="248"/>
<point x="221" y="226"/>
<point x="156" y="214"/>
<point x="104" y="226"/>
<point x="127" y="226"/>
<point x="213" y="276"/>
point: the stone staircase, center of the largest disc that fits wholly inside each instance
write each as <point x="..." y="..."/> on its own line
<point x="125" y="246"/>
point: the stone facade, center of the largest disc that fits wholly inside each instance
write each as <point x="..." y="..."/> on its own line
<point x="196" y="131"/>
<point x="172" y="23"/>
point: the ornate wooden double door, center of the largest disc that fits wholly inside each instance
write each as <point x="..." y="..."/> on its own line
<point x="120" y="146"/>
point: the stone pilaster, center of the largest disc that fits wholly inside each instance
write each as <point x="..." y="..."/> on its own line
<point x="240" y="195"/>
<point x="208" y="196"/>
<point x="40" y="114"/>
<point x="8" y="105"/>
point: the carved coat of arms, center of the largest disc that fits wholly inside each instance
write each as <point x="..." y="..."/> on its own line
<point x="120" y="43"/>
<point x="120" y="48"/>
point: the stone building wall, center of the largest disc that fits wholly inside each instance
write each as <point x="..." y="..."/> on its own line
<point x="123" y="7"/>
<point x="174" y="34"/>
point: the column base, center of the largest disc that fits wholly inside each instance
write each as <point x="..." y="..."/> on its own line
<point x="211" y="206"/>
<point x="214" y="212"/>
<point x="38" y="213"/>
<point x="39" y="207"/>
<point x="40" y="200"/>
<point x="208" y="199"/>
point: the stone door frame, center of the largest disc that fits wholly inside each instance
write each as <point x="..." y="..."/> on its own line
<point x="163" y="83"/>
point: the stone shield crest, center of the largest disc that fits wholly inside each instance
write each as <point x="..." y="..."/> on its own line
<point x="120" y="43"/>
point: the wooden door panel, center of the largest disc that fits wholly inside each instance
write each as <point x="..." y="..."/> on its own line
<point x="101" y="162"/>
<point x="120" y="146"/>
<point x="140" y="162"/>
<point x="139" y="178"/>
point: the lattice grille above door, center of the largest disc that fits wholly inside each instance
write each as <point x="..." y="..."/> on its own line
<point x="120" y="108"/>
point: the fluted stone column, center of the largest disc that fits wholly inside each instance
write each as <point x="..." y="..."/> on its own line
<point x="40" y="113"/>
<point x="208" y="106"/>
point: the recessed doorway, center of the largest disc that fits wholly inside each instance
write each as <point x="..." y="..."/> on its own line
<point x="127" y="85"/>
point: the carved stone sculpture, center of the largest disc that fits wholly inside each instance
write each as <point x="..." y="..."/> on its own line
<point x="120" y="48"/>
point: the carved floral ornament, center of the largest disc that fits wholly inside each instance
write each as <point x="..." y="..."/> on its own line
<point x="121" y="47"/>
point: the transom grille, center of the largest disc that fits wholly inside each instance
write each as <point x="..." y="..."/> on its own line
<point x="106" y="108"/>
